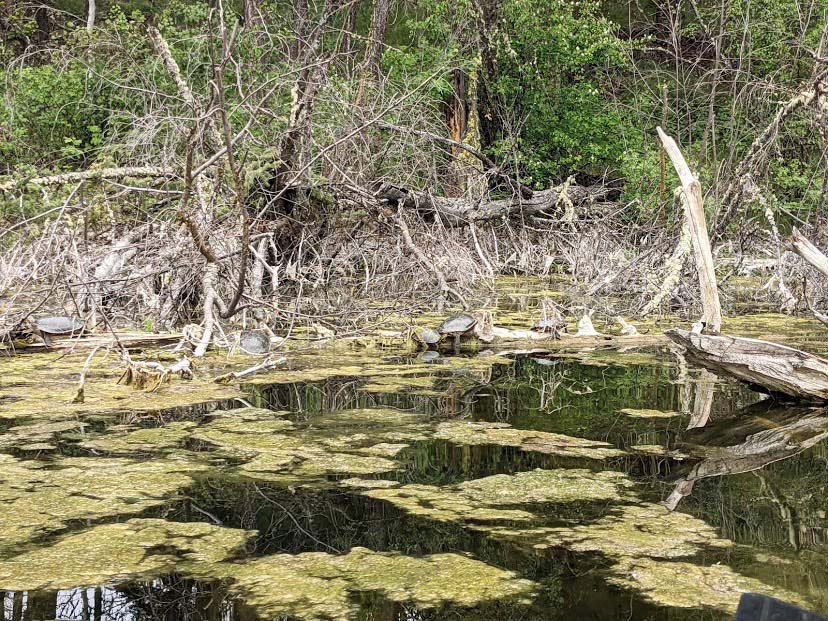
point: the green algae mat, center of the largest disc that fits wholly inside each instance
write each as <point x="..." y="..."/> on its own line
<point x="378" y="485"/>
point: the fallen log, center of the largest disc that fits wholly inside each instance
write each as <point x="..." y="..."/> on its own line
<point x="770" y="367"/>
<point x="460" y="212"/>
<point x="87" y="342"/>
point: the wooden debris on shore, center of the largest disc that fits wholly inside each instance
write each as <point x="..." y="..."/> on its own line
<point x="86" y="342"/>
<point x="769" y="366"/>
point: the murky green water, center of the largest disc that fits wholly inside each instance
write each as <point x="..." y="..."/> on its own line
<point x="373" y="485"/>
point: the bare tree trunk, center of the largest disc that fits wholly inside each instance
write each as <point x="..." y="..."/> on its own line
<point x="253" y="12"/>
<point x="90" y="16"/>
<point x="349" y="28"/>
<point x="489" y="119"/>
<point x="457" y="120"/>
<point x="300" y="14"/>
<point x="43" y="31"/>
<point x="376" y="45"/>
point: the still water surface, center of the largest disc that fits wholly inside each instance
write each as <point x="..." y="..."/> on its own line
<point x="371" y="485"/>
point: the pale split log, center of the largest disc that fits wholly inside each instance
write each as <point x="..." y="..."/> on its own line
<point x="88" y="175"/>
<point x="805" y="249"/>
<point x="267" y="364"/>
<point x="769" y="366"/>
<point x="698" y="231"/>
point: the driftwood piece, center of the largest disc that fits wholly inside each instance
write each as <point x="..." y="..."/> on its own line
<point x="694" y="211"/>
<point x="805" y="249"/>
<point x="769" y="366"/>
<point x="87" y="342"/>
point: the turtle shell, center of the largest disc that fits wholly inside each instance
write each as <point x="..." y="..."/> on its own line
<point x="59" y="325"/>
<point x="254" y="342"/>
<point x="459" y="324"/>
<point x="428" y="336"/>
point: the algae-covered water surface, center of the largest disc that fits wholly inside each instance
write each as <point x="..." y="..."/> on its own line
<point x="382" y="485"/>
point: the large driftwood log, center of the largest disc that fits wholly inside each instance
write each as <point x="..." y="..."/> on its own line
<point x="769" y="366"/>
<point x="694" y="212"/>
<point x="460" y="212"/>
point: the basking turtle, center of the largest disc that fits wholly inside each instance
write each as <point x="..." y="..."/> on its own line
<point x="429" y="356"/>
<point x="428" y="337"/>
<point x="47" y="327"/>
<point x="556" y="327"/>
<point x="254" y="342"/>
<point x="457" y="326"/>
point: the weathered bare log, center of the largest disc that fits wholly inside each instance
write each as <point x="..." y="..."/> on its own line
<point x="89" y="175"/>
<point x="459" y="212"/>
<point x="694" y="211"/>
<point x="805" y="249"/>
<point x="769" y="366"/>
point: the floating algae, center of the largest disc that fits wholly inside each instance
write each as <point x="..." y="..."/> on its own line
<point x="481" y="433"/>
<point x="37" y="498"/>
<point x="684" y="585"/>
<point x="152" y="439"/>
<point x="316" y="585"/>
<point x="276" y="455"/>
<point x="491" y="498"/>
<point x="37" y="433"/>
<point x="639" y="530"/>
<point x="42" y="387"/>
<point x="118" y="552"/>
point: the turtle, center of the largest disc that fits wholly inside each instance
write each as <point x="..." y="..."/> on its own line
<point x="254" y="342"/>
<point x="47" y="327"/>
<point x="427" y="337"/>
<point x="457" y="326"/>
<point x="555" y="327"/>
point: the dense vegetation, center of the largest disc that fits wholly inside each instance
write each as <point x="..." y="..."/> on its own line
<point x="286" y="139"/>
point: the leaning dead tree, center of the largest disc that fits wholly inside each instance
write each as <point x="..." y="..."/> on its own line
<point x="690" y="196"/>
<point x="744" y="180"/>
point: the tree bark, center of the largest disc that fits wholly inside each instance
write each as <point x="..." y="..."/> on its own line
<point x="376" y="44"/>
<point x="805" y="249"/>
<point x="300" y="14"/>
<point x="90" y="16"/>
<point x="488" y="111"/>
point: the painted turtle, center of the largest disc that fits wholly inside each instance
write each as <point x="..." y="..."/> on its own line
<point x="47" y="327"/>
<point x="427" y="337"/>
<point x="457" y="326"/>
<point x="254" y="342"/>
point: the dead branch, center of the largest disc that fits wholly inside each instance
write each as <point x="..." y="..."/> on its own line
<point x="88" y="175"/>
<point x="694" y="212"/>
<point x="755" y="162"/>
<point x="805" y="249"/>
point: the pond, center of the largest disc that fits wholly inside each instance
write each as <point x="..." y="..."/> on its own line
<point x="376" y="484"/>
